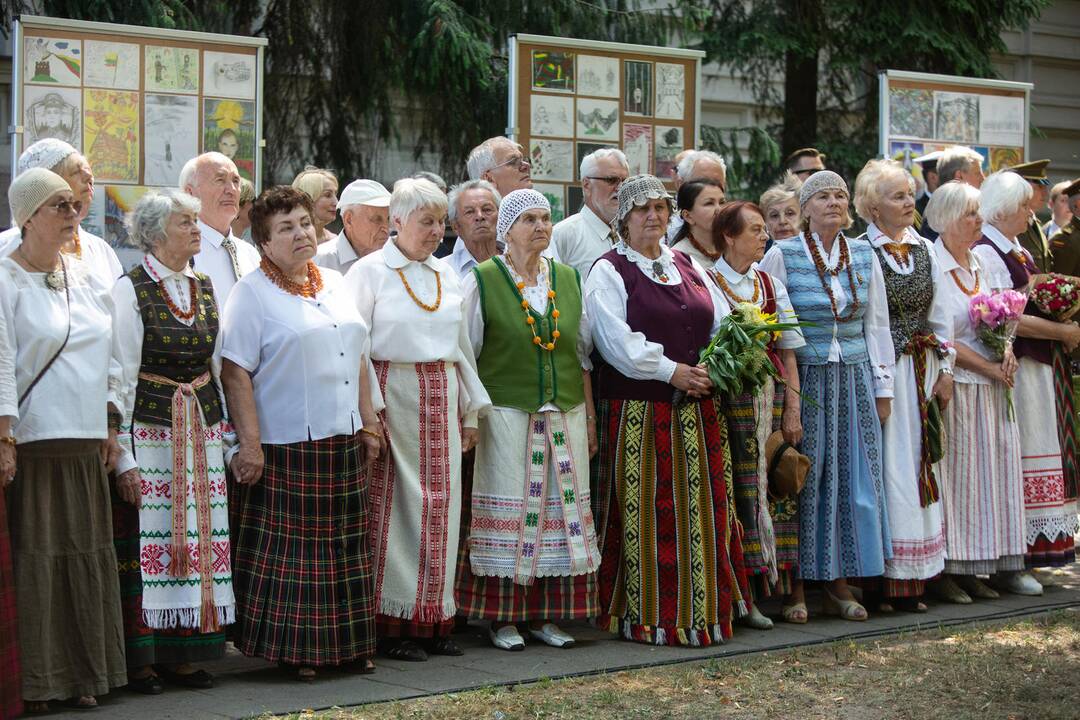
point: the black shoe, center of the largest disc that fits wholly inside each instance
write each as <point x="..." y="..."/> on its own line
<point x="199" y="680"/>
<point x="149" y="685"/>
<point x="444" y="646"/>
<point x="401" y="649"/>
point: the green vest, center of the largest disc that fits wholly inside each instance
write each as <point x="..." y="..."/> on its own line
<point x="516" y="372"/>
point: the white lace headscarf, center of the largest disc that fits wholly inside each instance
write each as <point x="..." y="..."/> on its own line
<point x="635" y="192"/>
<point x="513" y="205"/>
<point x="47" y="153"/>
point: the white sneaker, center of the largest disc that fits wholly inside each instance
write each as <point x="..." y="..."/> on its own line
<point x="552" y="635"/>
<point x="1020" y="583"/>
<point x="507" y="638"/>
<point x="754" y="619"/>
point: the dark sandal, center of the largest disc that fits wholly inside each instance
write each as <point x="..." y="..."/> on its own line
<point x="444" y="646"/>
<point x="404" y="650"/>
<point x="199" y="680"/>
<point x="359" y="667"/>
<point x="303" y="673"/>
<point x="84" y="702"/>
<point x="36" y="708"/>
<point x="148" y="685"/>
<point x="908" y="604"/>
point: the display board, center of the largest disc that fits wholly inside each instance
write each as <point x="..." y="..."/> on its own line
<point x="570" y="97"/>
<point x="922" y="112"/>
<point x="138" y="102"/>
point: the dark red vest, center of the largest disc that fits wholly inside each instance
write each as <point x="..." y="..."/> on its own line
<point x="1021" y="272"/>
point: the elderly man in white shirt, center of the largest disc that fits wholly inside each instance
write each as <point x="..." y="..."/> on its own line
<point x="697" y="165"/>
<point x="214" y="180"/>
<point x="583" y="237"/>
<point x="503" y="163"/>
<point x="365" y="225"/>
<point x="473" y="209"/>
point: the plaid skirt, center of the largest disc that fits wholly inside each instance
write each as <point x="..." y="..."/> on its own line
<point x="10" y="675"/>
<point x="672" y="570"/>
<point x="303" y="573"/>
<point x="500" y="599"/>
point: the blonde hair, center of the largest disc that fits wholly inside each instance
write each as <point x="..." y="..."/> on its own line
<point x="412" y="194"/>
<point x="782" y="192"/>
<point x="311" y="181"/>
<point x="868" y="184"/>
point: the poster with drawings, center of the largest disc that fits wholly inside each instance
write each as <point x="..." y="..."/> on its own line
<point x="111" y="65"/>
<point x="598" y="75"/>
<point x="52" y="61"/>
<point x="554" y="193"/>
<point x="669" y="143"/>
<point x="551" y="115"/>
<point x="111" y="134"/>
<point x="229" y="128"/>
<point x="597" y="119"/>
<point x="911" y="112"/>
<point x="670" y="90"/>
<point x="956" y="117"/>
<point x="637" y="87"/>
<point x="52" y="112"/>
<point x="171" y="69"/>
<point x="553" y="70"/>
<point x="638" y="147"/>
<point x="552" y="160"/>
<point x="1001" y="120"/>
<point x="172" y="136"/>
<point x="229" y="75"/>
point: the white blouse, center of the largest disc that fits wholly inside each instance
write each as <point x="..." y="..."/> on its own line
<point x="402" y="331"/>
<point x="96" y="253"/>
<point x="879" y="344"/>
<point x="71" y="399"/>
<point x="304" y="356"/>
<point x="953" y="306"/>
<point x="742" y="284"/>
<point x="8" y="394"/>
<point x="128" y="333"/>
<point x="937" y="314"/>
<point x="605" y="299"/>
<point x="996" y="273"/>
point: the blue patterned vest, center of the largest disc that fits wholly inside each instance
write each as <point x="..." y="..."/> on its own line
<point x="812" y="305"/>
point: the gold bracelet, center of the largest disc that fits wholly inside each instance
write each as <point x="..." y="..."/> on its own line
<point x="8" y="440"/>
<point x="371" y="432"/>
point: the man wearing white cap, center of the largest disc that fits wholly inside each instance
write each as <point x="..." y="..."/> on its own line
<point x="365" y="225"/>
<point x="68" y="163"/>
<point x="213" y="178"/>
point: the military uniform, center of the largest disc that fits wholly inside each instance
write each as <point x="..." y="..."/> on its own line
<point x="1065" y="245"/>
<point x="1033" y="239"/>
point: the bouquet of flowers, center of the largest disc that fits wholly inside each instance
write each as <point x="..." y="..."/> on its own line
<point x="994" y="317"/>
<point x="1057" y="296"/>
<point x="737" y="359"/>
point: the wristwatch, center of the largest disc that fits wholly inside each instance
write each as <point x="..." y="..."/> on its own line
<point x="945" y="370"/>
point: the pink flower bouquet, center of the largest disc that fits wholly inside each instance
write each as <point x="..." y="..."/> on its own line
<point x="994" y="317"/>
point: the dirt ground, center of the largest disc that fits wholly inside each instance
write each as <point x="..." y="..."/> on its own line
<point x="1024" y="670"/>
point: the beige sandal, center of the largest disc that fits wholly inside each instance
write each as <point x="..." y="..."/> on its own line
<point x="845" y="609"/>
<point x="796" y="614"/>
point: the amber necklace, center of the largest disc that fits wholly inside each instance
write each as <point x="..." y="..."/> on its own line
<point x="719" y="278"/>
<point x="711" y="254"/>
<point x="307" y="289"/>
<point x="822" y="271"/>
<point x="77" y="249"/>
<point x="519" y="283"/>
<point x="415" y="299"/>
<point x="174" y="307"/>
<point x="959" y="284"/>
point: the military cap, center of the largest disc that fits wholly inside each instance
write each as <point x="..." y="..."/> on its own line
<point x="1034" y="171"/>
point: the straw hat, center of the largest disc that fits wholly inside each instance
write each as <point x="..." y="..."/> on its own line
<point x="787" y="467"/>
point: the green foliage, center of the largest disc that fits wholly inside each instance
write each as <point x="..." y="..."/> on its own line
<point x="750" y="169"/>
<point x="852" y="41"/>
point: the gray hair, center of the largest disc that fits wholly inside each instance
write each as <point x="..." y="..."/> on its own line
<point x="1003" y="193"/>
<point x="950" y="202"/>
<point x="435" y="178"/>
<point x="956" y="159"/>
<point x="482" y="157"/>
<point x="686" y="165"/>
<point x="190" y="172"/>
<point x="461" y="188"/>
<point x="590" y="161"/>
<point x="147" y="222"/>
<point x="868" y="184"/>
<point x="411" y="194"/>
<point x="784" y="191"/>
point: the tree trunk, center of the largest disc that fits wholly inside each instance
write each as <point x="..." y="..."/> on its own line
<point x="801" y="76"/>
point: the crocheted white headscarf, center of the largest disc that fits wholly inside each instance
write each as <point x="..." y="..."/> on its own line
<point x="47" y="153"/>
<point x="513" y="205"/>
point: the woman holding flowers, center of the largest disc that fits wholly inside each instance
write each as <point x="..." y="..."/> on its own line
<point x="885" y="199"/>
<point x="982" y="490"/>
<point x="1043" y="381"/>
<point x="846" y="373"/>
<point x="671" y="569"/>
<point x="532" y="542"/>
<point x="770" y="529"/>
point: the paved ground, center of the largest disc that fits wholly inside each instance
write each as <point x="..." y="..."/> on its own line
<point x="247" y="687"/>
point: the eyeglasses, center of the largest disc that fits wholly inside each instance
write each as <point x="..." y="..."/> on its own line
<point x="609" y="179"/>
<point x="517" y="160"/>
<point x="65" y="207"/>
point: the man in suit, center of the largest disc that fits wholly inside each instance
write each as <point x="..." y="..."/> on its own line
<point x="1065" y="243"/>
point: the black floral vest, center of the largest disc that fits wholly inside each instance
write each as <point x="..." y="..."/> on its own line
<point x="174" y="350"/>
<point x="909" y="297"/>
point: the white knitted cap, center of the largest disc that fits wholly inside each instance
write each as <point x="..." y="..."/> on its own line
<point x="47" y="153"/>
<point x="513" y="205"/>
<point x="819" y="181"/>
<point x="30" y="190"/>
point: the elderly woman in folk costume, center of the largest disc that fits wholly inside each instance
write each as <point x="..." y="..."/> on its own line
<point x="664" y="468"/>
<point x="922" y="338"/>
<point x="171" y="523"/>
<point x="982" y="489"/>
<point x="10" y="675"/>
<point x="68" y="163"/>
<point x="846" y="373"/>
<point x="532" y="542"/>
<point x="59" y="326"/>
<point x="1043" y="382"/>
<point x="297" y="377"/>
<point x="426" y="371"/>
<point x="770" y="523"/>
